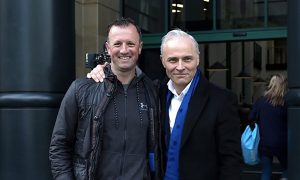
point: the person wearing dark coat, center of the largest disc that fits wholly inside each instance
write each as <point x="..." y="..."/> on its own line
<point x="110" y="130"/>
<point x="200" y="120"/>
<point x="270" y="113"/>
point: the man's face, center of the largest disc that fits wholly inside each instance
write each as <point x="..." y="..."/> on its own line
<point x="180" y="59"/>
<point x="124" y="47"/>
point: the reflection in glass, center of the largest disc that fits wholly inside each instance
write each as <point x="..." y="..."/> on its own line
<point x="277" y="13"/>
<point x="234" y="14"/>
<point x="149" y="15"/>
<point x="151" y="65"/>
<point x="277" y="55"/>
<point x="191" y="15"/>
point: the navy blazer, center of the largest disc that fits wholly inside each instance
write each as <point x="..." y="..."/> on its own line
<point x="210" y="144"/>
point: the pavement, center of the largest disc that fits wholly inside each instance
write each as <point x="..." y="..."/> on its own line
<point x="254" y="172"/>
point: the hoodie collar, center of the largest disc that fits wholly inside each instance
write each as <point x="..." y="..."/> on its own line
<point x="111" y="76"/>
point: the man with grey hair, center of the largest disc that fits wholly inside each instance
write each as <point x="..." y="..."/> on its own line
<point x="200" y="121"/>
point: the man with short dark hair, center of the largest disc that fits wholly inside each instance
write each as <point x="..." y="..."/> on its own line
<point x="110" y="130"/>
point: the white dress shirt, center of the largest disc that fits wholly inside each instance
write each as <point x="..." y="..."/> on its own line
<point x="175" y="102"/>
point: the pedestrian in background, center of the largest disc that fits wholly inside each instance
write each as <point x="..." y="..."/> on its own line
<point x="270" y="112"/>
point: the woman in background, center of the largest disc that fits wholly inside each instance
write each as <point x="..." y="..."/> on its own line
<point x="270" y="112"/>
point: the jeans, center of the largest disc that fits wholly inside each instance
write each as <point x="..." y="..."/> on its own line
<point x="266" y="162"/>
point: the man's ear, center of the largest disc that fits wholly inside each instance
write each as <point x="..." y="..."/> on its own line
<point x="107" y="47"/>
<point x="141" y="47"/>
<point x="162" y="61"/>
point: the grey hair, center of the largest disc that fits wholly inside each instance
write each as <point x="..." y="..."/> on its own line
<point x="175" y="34"/>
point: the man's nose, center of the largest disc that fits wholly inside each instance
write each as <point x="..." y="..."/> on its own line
<point x="180" y="65"/>
<point x="124" y="48"/>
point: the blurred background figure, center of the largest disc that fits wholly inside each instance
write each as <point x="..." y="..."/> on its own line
<point x="270" y="112"/>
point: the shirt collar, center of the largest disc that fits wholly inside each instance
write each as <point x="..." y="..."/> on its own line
<point x="172" y="88"/>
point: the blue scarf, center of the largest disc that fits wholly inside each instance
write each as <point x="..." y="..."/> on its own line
<point x="172" y="172"/>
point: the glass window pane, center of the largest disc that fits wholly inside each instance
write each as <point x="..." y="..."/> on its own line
<point x="191" y="15"/>
<point x="150" y="63"/>
<point x="149" y="15"/>
<point x="277" y="55"/>
<point x="234" y="14"/>
<point x="277" y="13"/>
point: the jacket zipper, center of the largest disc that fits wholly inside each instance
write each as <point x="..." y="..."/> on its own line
<point x="125" y="136"/>
<point x="93" y="157"/>
<point x="96" y="133"/>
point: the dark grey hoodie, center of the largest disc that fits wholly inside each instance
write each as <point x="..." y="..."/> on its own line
<point x="126" y="121"/>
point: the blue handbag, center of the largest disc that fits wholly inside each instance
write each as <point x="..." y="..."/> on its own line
<point x="249" y="141"/>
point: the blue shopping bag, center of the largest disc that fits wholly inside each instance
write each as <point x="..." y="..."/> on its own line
<point x="249" y="141"/>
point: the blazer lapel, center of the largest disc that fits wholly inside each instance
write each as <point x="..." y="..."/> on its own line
<point x="163" y="115"/>
<point x="196" y="106"/>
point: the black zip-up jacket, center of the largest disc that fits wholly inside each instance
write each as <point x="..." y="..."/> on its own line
<point x="76" y="141"/>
